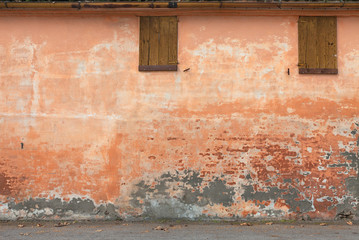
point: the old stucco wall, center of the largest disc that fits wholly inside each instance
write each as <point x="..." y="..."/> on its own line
<point x="85" y="135"/>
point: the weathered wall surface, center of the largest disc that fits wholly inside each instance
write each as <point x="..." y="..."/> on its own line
<point x="85" y="135"/>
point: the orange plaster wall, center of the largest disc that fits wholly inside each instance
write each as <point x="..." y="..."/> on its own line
<point x="235" y="136"/>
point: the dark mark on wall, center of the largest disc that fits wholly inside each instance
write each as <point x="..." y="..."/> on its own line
<point x="354" y="132"/>
<point x="345" y="214"/>
<point x="287" y="180"/>
<point x="339" y="165"/>
<point x="328" y="155"/>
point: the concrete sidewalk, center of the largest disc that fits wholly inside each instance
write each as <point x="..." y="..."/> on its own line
<point x="174" y="230"/>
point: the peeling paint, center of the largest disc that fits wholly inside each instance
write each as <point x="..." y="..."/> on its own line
<point x="41" y="208"/>
<point x="290" y="197"/>
<point x="177" y="195"/>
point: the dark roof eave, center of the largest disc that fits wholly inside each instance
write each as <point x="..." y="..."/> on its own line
<point x="181" y="5"/>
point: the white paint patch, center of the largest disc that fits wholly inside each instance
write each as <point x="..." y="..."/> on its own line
<point x="81" y="68"/>
<point x="305" y="173"/>
<point x="351" y="63"/>
<point x="323" y="199"/>
<point x="22" y="52"/>
<point x="260" y="94"/>
<point x="290" y="110"/>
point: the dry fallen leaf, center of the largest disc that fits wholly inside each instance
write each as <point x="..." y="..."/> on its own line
<point x="39" y="225"/>
<point x="160" y="228"/>
<point x="21" y="225"/>
<point x="99" y="230"/>
<point x="24" y="234"/>
<point x="125" y="224"/>
<point x="350" y="223"/>
<point x="62" y="224"/>
<point x="246" y="224"/>
<point x="269" y="223"/>
<point x="323" y="224"/>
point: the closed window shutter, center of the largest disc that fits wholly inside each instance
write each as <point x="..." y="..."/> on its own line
<point x="158" y="44"/>
<point x="317" y="43"/>
<point x="144" y="40"/>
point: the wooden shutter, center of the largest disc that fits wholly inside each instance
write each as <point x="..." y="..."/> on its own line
<point x="158" y="44"/>
<point x="317" y="42"/>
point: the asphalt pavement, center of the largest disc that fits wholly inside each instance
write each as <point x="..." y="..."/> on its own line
<point x="61" y="230"/>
